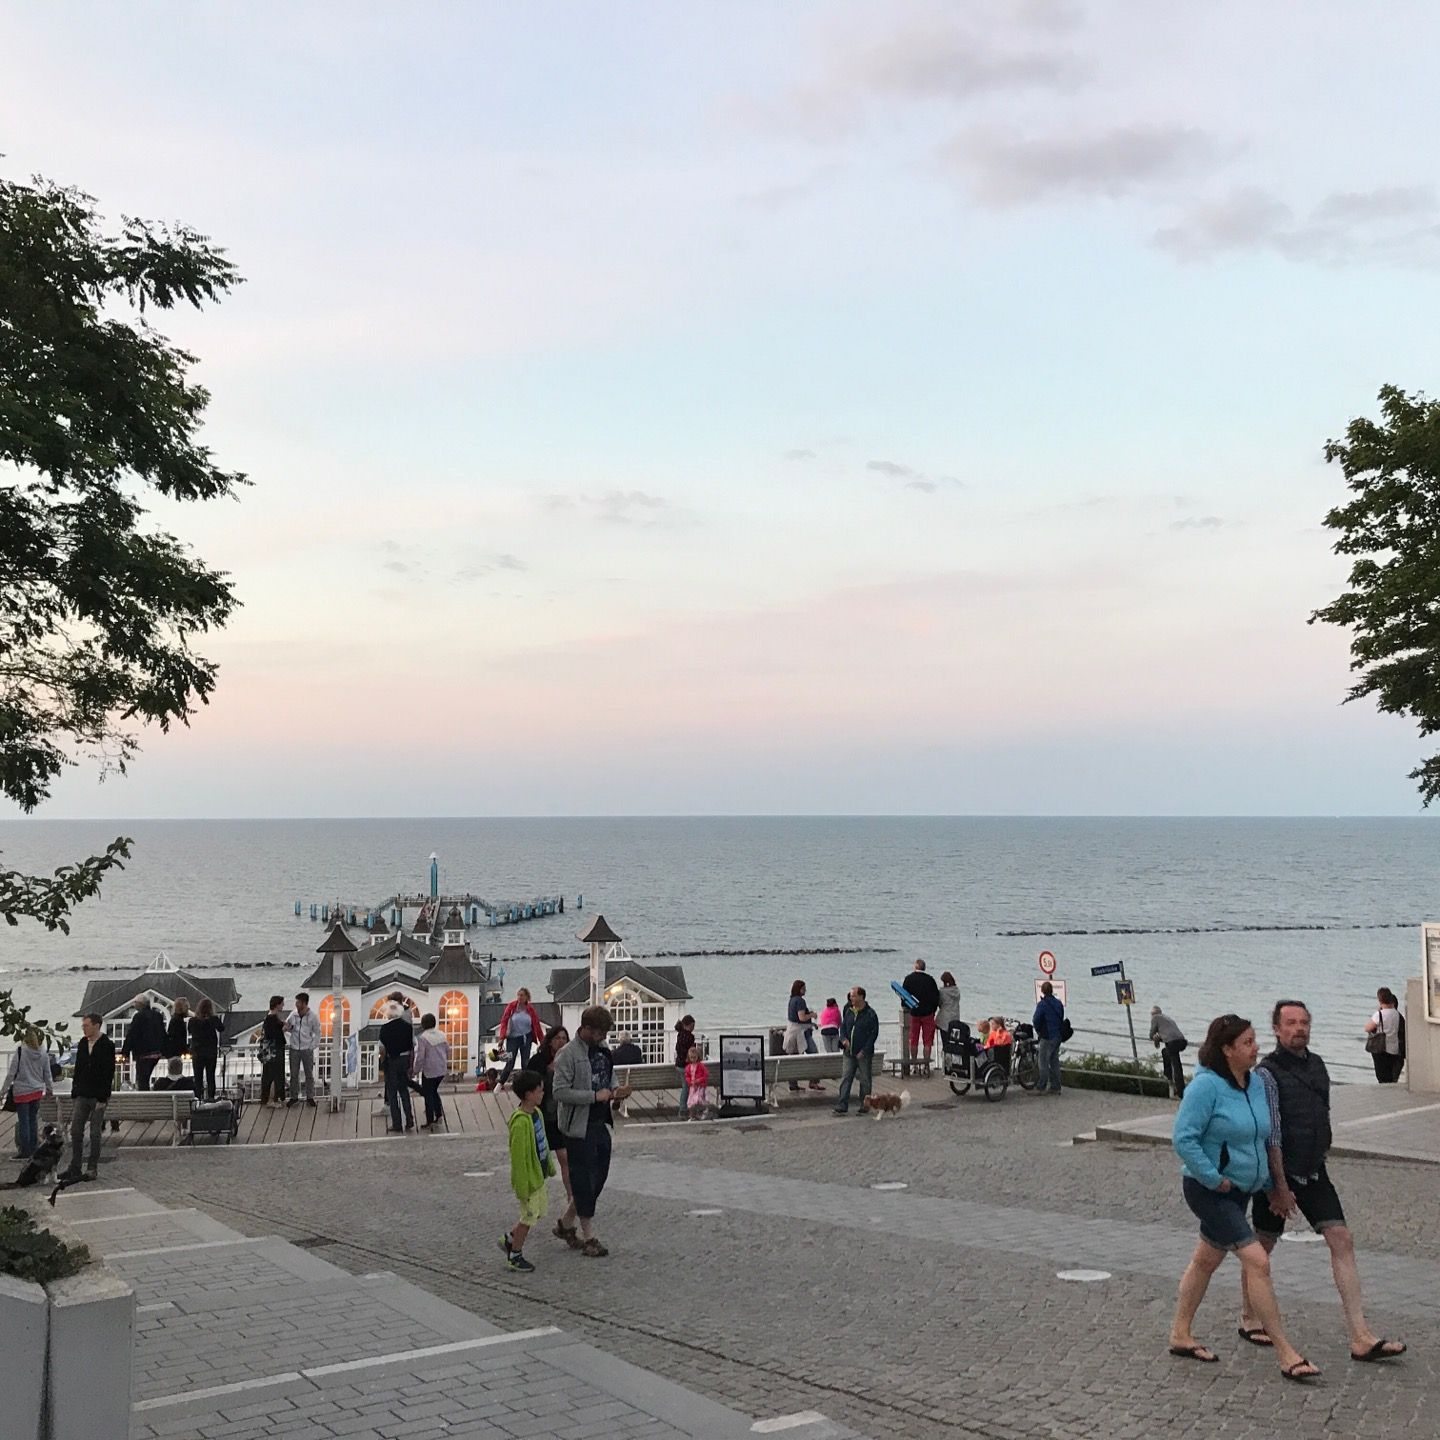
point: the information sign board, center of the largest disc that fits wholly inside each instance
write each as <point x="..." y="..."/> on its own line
<point x="742" y="1067"/>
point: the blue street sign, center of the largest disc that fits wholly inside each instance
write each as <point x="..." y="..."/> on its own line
<point x="1105" y="969"/>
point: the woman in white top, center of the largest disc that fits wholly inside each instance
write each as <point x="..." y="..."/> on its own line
<point x="1386" y="1021"/>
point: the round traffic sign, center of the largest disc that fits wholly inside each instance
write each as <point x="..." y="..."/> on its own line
<point x="1047" y="962"/>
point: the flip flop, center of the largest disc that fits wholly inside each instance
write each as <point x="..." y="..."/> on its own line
<point x="1255" y="1337"/>
<point x="1193" y="1352"/>
<point x="1293" y="1372"/>
<point x="1378" y="1351"/>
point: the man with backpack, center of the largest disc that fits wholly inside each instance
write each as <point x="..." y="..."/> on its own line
<point x="1051" y="1028"/>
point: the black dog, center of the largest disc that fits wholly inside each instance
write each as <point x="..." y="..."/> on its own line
<point x="47" y="1156"/>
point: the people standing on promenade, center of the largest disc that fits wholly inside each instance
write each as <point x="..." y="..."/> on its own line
<point x="1222" y="1135"/>
<point x="926" y="994"/>
<point x="543" y="1063"/>
<point x="30" y="1082"/>
<point x="949" y="1010"/>
<point x="397" y="1048"/>
<point x="302" y="1035"/>
<point x="799" y="1018"/>
<point x="144" y="1043"/>
<point x="697" y="1083"/>
<point x="90" y="1087"/>
<point x="1302" y="1095"/>
<point x="859" y="1034"/>
<point x="431" y="1064"/>
<point x="684" y="1039"/>
<point x="1386" y="1029"/>
<point x="830" y="1026"/>
<point x="205" y="1031"/>
<point x="584" y="1087"/>
<point x="531" y="1164"/>
<point x="1049" y="1023"/>
<point x="1167" y="1035"/>
<point x="518" y="1031"/>
<point x="272" y="1053"/>
<point x="177" y="1033"/>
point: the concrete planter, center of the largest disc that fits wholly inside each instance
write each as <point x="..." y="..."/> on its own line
<point x="67" y="1349"/>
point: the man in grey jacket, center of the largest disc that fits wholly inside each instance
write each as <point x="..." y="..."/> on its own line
<point x="584" y="1088"/>
<point x="1169" y="1037"/>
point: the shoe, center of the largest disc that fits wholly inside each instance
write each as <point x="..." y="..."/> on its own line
<point x="593" y="1248"/>
<point x="289" y="1104"/>
<point x="569" y="1234"/>
<point x="92" y="1174"/>
<point x="506" y="1246"/>
<point x="311" y="1104"/>
<point x="816" y="1085"/>
<point x="516" y="1261"/>
<point x="410" y="1125"/>
<point x="841" y="1110"/>
<point x="70" y="1177"/>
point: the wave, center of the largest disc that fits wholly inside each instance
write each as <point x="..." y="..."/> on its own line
<point x="1202" y="929"/>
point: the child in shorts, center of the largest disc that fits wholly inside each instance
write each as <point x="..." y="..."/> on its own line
<point x="531" y="1164"/>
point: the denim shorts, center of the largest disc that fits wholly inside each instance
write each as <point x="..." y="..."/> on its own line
<point x="1317" y="1201"/>
<point x="1223" y="1223"/>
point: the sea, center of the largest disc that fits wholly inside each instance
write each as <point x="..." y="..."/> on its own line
<point x="1207" y="915"/>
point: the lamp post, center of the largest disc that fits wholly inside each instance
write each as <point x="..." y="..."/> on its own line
<point x="337" y="945"/>
<point x="597" y="935"/>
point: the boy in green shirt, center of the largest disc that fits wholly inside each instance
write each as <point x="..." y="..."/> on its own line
<point x="530" y="1163"/>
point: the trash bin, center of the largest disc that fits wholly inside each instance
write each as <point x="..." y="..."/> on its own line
<point x="777" y="1040"/>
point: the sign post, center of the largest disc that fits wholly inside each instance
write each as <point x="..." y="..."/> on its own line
<point x="742" y="1070"/>
<point x="1124" y="995"/>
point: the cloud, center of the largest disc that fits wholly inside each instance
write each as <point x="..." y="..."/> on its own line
<point x="1198" y="522"/>
<point x="480" y="566"/>
<point x="1343" y="227"/>
<point x="891" y="468"/>
<point x="1005" y="171"/>
<point x="798" y="455"/>
<point x="910" y="478"/>
<point x="622" y="507"/>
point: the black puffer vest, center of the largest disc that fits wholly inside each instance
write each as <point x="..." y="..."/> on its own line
<point x="1304" y="1086"/>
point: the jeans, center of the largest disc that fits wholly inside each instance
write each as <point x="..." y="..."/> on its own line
<point x="144" y="1068"/>
<point x="397" y="1089"/>
<point x="85" y="1111"/>
<point x="27" y="1127"/>
<point x="855" y="1065"/>
<point x="589" y="1167"/>
<point x="430" y="1089"/>
<point x="684" y="1109"/>
<point x="302" y="1060"/>
<point x="1049" y="1066"/>
<point x="1170" y="1064"/>
<point x="515" y="1045"/>
<point x="272" y="1080"/>
<point x="204" y="1066"/>
<point x="830" y="1039"/>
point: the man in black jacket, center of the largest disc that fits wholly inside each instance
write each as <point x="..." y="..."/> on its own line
<point x="145" y="1041"/>
<point x="90" y="1089"/>
<point x="397" y="1039"/>
<point x="926" y="994"/>
<point x="859" y="1033"/>
<point x="1301" y="1102"/>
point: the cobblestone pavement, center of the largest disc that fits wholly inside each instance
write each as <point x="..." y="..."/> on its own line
<point x="932" y="1311"/>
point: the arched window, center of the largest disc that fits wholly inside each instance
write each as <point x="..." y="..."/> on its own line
<point x="327" y="1017"/>
<point x="453" y="1017"/>
<point x="642" y="1019"/>
<point x="377" y="1011"/>
<point x="624" y="1008"/>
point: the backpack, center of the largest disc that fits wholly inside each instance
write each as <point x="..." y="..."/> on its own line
<point x="1066" y="1029"/>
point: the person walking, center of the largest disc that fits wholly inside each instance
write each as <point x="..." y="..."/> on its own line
<point x="518" y="1031"/>
<point x="144" y="1043"/>
<point x="431" y="1064"/>
<point x="859" y="1034"/>
<point x="302" y="1035"/>
<point x="90" y="1086"/>
<point x="29" y="1081"/>
<point x="1302" y="1092"/>
<point x="684" y="1039"/>
<point x="830" y="1026"/>
<point x="543" y="1062"/>
<point x="177" y="1032"/>
<point x="1385" y="1030"/>
<point x="205" y="1031"/>
<point x="1167" y="1035"/>
<point x="949" y="1009"/>
<point x="531" y="1164"/>
<point x="799" y="1019"/>
<point x="1222" y="1135"/>
<point x="583" y="1088"/>
<point x="1049" y="1023"/>
<point x="397" y="1047"/>
<point x="272" y="1053"/>
<point x="926" y="994"/>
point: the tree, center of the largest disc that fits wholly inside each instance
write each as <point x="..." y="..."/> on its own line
<point x="1392" y="527"/>
<point x="97" y="408"/>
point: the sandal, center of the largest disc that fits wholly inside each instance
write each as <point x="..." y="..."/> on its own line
<point x="594" y="1249"/>
<point x="1203" y="1353"/>
<point x="570" y="1234"/>
<point x="1256" y="1336"/>
<point x="1295" y="1373"/>
<point x="1378" y="1351"/>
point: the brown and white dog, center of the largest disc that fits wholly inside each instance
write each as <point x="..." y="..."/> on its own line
<point x="882" y="1105"/>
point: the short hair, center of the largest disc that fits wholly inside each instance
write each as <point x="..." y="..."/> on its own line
<point x="142" y="1002"/>
<point x="797" y="987"/>
<point x="175" y="1067"/>
<point x="623" y="1038"/>
<point x="1281" y="1004"/>
<point x="303" y="995"/>
<point x="527" y="1082"/>
<point x="685" y="1022"/>
<point x="919" y="964"/>
<point x="860" y="991"/>
<point x="95" y="1018"/>
<point x="1386" y="996"/>
<point x="1224" y="1030"/>
<point x="276" y="1000"/>
<point x="398" y="996"/>
<point x="596" y="1017"/>
<point x="1046" y="988"/>
<point x="427" y="1022"/>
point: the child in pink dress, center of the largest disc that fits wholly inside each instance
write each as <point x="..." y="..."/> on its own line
<point x="697" y="1084"/>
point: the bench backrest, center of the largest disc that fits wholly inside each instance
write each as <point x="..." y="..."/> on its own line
<point x="826" y="1065"/>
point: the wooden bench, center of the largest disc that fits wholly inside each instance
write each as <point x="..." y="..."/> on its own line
<point x="827" y="1065"/>
<point x="140" y="1105"/>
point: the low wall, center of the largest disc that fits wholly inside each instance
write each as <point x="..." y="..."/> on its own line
<point x="1422" y="1043"/>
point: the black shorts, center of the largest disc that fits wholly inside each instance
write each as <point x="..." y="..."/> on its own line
<point x="1317" y="1200"/>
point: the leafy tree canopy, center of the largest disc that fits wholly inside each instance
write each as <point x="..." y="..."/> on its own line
<point x="97" y="409"/>
<point x="1392" y="529"/>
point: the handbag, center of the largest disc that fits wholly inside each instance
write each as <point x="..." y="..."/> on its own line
<point x="1375" y="1043"/>
<point x="9" y="1106"/>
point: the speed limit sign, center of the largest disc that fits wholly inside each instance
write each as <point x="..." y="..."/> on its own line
<point x="1047" y="962"/>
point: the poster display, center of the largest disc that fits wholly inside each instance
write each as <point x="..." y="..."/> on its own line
<point x="742" y="1067"/>
<point x="1430" y="970"/>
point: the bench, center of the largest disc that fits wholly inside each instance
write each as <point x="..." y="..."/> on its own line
<point x="140" y="1105"/>
<point x="827" y="1065"/>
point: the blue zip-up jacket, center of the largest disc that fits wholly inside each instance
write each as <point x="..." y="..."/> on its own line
<point x="1048" y="1018"/>
<point x="860" y="1029"/>
<point x="1215" y="1116"/>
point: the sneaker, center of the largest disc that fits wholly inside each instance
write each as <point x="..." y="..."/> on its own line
<point x="506" y="1246"/>
<point x="517" y="1261"/>
<point x="291" y="1103"/>
<point x="311" y="1104"/>
<point x="92" y="1173"/>
<point x="841" y="1110"/>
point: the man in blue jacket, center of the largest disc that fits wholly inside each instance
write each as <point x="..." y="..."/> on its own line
<point x="859" y="1033"/>
<point x="1049" y="1022"/>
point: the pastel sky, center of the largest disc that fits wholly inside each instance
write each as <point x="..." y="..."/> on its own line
<point x="766" y="407"/>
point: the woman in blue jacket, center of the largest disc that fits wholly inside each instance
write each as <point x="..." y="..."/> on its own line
<point x="1223" y="1136"/>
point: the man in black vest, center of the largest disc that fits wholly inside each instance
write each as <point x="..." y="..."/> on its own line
<point x="1301" y="1098"/>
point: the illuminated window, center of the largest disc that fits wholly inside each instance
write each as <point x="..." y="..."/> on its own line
<point x="453" y="1018"/>
<point x="327" y="1017"/>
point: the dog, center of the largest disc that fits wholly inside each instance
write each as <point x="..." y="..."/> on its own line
<point x="882" y="1105"/>
<point x="38" y="1167"/>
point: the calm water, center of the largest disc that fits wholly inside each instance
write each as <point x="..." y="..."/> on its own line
<point x="978" y="896"/>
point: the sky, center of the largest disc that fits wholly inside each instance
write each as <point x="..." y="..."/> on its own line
<point x="769" y="408"/>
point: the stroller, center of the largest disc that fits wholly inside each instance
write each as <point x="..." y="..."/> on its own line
<point x="968" y="1063"/>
